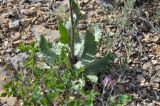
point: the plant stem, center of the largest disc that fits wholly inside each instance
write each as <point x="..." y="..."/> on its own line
<point x="72" y="34"/>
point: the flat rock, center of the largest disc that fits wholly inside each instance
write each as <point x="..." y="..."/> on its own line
<point x="26" y="21"/>
<point x="14" y="25"/>
<point x="18" y="60"/>
<point x="29" y="12"/>
<point x="51" y="35"/>
<point x="10" y="101"/>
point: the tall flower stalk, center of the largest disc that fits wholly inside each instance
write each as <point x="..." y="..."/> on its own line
<point x="72" y="36"/>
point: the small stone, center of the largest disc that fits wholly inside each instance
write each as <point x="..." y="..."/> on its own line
<point x="147" y="101"/>
<point x="14" y="25"/>
<point x="5" y="44"/>
<point x="116" y="60"/>
<point x="138" y="70"/>
<point x="29" y="12"/>
<point x="82" y="26"/>
<point x="145" y="58"/>
<point x="5" y="15"/>
<point x="155" y="85"/>
<point x="142" y="84"/>
<point x="11" y="101"/>
<point x="16" y="36"/>
<point x="18" y="60"/>
<point x="140" y="78"/>
<point x="150" y="56"/>
<point x="154" y="62"/>
<point x="139" y="104"/>
<point x="51" y="35"/>
<point x="17" y="42"/>
<point x="151" y="104"/>
<point x="118" y="53"/>
<point x="9" y="50"/>
<point x="155" y="79"/>
<point x="1" y="9"/>
<point x="26" y="22"/>
<point x="146" y="65"/>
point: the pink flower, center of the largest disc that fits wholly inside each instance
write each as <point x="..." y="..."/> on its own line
<point x="107" y="80"/>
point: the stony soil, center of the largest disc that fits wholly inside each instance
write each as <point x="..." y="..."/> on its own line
<point x="24" y="20"/>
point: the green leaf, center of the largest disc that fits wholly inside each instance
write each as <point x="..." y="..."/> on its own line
<point x="93" y="78"/>
<point x="123" y="99"/>
<point x="90" y="46"/>
<point x="4" y="94"/>
<point x="99" y="65"/>
<point x="45" y="47"/>
<point x="76" y="12"/>
<point x="62" y="54"/>
<point x="86" y="50"/>
<point x="78" y="84"/>
<point x="64" y="36"/>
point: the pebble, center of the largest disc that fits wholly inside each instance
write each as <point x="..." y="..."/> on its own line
<point x="17" y="42"/>
<point x="16" y="36"/>
<point x="14" y="19"/>
<point x="29" y="12"/>
<point x="17" y="61"/>
<point x="9" y="50"/>
<point x="139" y="70"/>
<point x="155" y="85"/>
<point x="116" y="60"/>
<point x="151" y="104"/>
<point x="145" y="58"/>
<point x="154" y="62"/>
<point x="26" y="21"/>
<point x="5" y="44"/>
<point x="146" y="65"/>
<point x="14" y="25"/>
<point x="140" y="78"/>
<point x="155" y="79"/>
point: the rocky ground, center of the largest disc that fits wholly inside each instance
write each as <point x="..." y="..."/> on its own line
<point x="24" y="20"/>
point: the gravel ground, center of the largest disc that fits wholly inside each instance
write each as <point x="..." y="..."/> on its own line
<point x="24" y="20"/>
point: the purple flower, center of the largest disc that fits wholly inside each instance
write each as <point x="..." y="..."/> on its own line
<point x="107" y="80"/>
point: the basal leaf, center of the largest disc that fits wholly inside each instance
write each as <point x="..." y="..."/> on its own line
<point x="45" y="47"/>
<point x="90" y="46"/>
<point x="64" y="36"/>
<point x="99" y="65"/>
<point x="86" y="50"/>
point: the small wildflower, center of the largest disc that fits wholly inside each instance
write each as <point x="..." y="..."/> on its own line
<point x="107" y="80"/>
